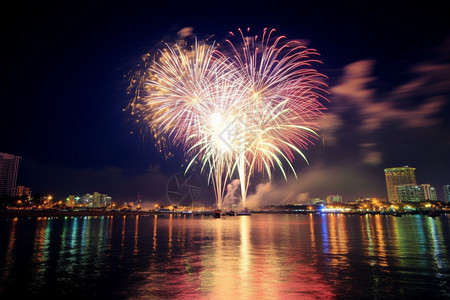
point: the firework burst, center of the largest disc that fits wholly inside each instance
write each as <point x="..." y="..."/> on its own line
<point x="247" y="107"/>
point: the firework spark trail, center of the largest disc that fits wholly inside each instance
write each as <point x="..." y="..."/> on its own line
<point x="283" y="100"/>
<point x="216" y="140"/>
<point x="244" y="110"/>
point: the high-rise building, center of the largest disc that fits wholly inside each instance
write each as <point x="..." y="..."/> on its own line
<point x="9" y="165"/>
<point x="396" y="177"/>
<point x="416" y="193"/>
<point x="334" y="199"/>
<point x="430" y="192"/>
<point x="447" y="193"/>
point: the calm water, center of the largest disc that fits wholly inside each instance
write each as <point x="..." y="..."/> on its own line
<point x="257" y="257"/>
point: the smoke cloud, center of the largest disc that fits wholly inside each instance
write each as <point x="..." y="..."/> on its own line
<point x="232" y="195"/>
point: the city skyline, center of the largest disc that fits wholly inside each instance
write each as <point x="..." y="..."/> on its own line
<point x="398" y="180"/>
<point x="388" y="80"/>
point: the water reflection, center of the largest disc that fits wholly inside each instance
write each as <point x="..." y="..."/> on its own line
<point x="380" y="231"/>
<point x="10" y="254"/>
<point x="262" y="256"/>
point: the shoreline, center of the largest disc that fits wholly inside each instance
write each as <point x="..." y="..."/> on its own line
<point x="75" y="213"/>
<point x="87" y="213"/>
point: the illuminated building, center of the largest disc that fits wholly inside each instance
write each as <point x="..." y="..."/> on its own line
<point x="71" y="200"/>
<point x="416" y="193"/>
<point x="396" y="177"/>
<point x="101" y="200"/>
<point x="447" y="193"/>
<point x="105" y="200"/>
<point x="334" y="199"/>
<point x="430" y="192"/>
<point x="367" y="200"/>
<point x="22" y="191"/>
<point x="410" y="193"/>
<point x="9" y="165"/>
<point x="86" y="199"/>
<point x="95" y="200"/>
<point x="315" y="201"/>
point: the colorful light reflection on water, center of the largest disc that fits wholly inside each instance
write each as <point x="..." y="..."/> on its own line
<point x="263" y="257"/>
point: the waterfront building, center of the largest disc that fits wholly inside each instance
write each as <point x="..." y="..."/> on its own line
<point x="85" y="200"/>
<point x="447" y="193"/>
<point x="367" y="200"/>
<point x="432" y="194"/>
<point x="334" y="199"/>
<point x="103" y="200"/>
<point x="22" y="191"/>
<point x="315" y="201"/>
<point x="9" y="165"/>
<point x="416" y="193"/>
<point x="410" y="193"/>
<point x="71" y="200"/>
<point x="95" y="200"/>
<point x="396" y="177"/>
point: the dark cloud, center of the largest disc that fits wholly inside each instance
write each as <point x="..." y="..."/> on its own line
<point x="321" y="180"/>
<point x="368" y="128"/>
<point x="375" y="108"/>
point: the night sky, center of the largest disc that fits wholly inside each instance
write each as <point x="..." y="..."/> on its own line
<point x="65" y="67"/>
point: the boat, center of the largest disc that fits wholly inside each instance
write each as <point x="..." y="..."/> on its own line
<point x="230" y="213"/>
<point x="216" y="213"/>
<point x="244" y="213"/>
